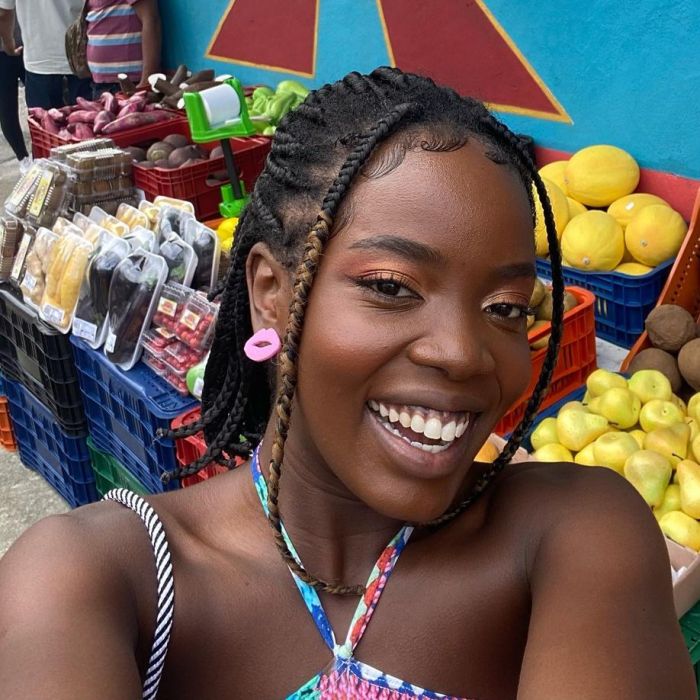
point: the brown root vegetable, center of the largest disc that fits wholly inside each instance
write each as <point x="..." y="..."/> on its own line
<point x="198" y="87"/>
<point x="137" y="154"/>
<point x="134" y="121"/>
<point x="165" y="87"/>
<point x="201" y="76"/>
<point x="163" y="163"/>
<point x="146" y="164"/>
<point x="181" y="155"/>
<point x="670" y="327"/>
<point x="131" y="108"/>
<point x="180" y="75"/>
<point x="101" y="120"/>
<point x="109" y="102"/>
<point x="664" y="362"/>
<point x="689" y="363"/>
<point x="83" y="131"/>
<point x="86" y="116"/>
<point x="177" y="140"/>
<point x="159" y="151"/>
<point x="48" y="124"/>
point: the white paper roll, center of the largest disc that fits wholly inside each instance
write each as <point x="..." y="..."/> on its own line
<point x="221" y="105"/>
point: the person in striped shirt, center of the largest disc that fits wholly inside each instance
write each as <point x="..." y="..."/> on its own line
<point x="123" y="37"/>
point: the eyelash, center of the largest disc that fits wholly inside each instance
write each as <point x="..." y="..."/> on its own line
<point x="524" y="311"/>
<point x="370" y="283"/>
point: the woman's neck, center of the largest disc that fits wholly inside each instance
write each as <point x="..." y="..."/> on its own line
<point x="337" y="536"/>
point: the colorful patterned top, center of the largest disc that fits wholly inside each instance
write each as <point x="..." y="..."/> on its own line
<point x="114" y="40"/>
<point x="346" y="677"/>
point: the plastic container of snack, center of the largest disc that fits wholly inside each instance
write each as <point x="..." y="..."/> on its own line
<point x="18" y="201"/>
<point x="90" y="319"/>
<point x="195" y="325"/>
<point x="11" y="232"/>
<point x="133" y="297"/>
<point x="47" y="201"/>
<point x="132" y="217"/>
<point x="207" y="248"/>
<point x="70" y="257"/>
<point x="111" y="223"/>
<point x="38" y="261"/>
<point x="162" y="201"/>
<point x="151" y="211"/>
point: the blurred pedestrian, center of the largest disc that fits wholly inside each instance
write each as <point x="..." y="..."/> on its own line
<point x="11" y="73"/>
<point x="49" y="81"/>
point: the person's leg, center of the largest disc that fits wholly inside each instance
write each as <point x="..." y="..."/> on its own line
<point x="10" y="74"/>
<point x="43" y="90"/>
<point x="78" y="87"/>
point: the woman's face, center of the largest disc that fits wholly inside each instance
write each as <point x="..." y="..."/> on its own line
<point x="415" y="339"/>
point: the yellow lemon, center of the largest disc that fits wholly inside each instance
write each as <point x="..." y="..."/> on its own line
<point x="554" y="172"/>
<point x="226" y="228"/>
<point x="633" y="268"/>
<point x="626" y="207"/>
<point x="598" y="175"/>
<point x="593" y="242"/>
<point x="575" y="208"/>
<point x="560" y="209"/>
<point x="655" y="234"/>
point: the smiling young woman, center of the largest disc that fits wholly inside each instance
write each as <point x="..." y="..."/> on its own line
<point x="389" y="245"/>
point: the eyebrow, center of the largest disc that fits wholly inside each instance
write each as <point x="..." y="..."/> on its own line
<point x="515" y="271"/>
<point x="404" y="247"/>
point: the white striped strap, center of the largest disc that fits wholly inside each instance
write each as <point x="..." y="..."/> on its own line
<point x="164" y="577"/>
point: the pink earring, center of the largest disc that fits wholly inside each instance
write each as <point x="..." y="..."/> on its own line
<point x="263" y="345"/>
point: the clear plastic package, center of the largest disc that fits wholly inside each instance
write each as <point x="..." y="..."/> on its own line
<point x="171" y="304"/>
<point x="161" y="201"/>
<point x="91" y="231"/>
<point x="151" y="211"/>
<point x="155" y="342"/>
<point x="60" y="153"/>
<point x="18" y="201"/>
<point x="133" y="295"/>
<point x="132" y="217"/>
<point x="180" y="358"/>
<point x="39" y="260"/>
<point x="180" y="258"/>
<point x="142" y="238"/>
<point x="195" y="325"/>
<point x="19" y="266"/>
<point x="47" y="201"/>
<point x="111" y="223"/>
<point x="11" y="232"/>
<point x="90" y="321"/>
<point x="207" y="248"/>
<point x="70" y="256"/>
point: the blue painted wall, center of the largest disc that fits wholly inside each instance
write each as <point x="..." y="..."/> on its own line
<point x="626" y="71"/>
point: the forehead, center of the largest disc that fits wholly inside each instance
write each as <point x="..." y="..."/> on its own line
<point x="445" y="199"/>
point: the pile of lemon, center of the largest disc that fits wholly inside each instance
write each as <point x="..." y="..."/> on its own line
<point x="602" y="224"/>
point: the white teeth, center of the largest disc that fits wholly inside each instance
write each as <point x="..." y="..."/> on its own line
<point x="461" y="428"/>
<point x="374" y="405"/>
<point x="448" y="432"/>
<point x="393" y="415"/>
<point x="405" y="419"/>
<point x="383" y="410"/>
<point x="433" y="429"/>
<point x="417" y="423"/>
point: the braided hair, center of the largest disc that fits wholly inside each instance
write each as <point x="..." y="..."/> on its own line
<point x="318" y="151"/>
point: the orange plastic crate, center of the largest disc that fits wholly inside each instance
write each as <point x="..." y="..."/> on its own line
<point x="683" y="284"/>
<point x="7" y="434"/>
<point x="577" y="359"/>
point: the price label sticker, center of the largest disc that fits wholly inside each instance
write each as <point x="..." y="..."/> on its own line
<point x="167" y="307"/>
<point x="53" y="314"/>
<point x="190" y="319"/>
<point x="198" y="387"/>
<point x="85" y="330"/>
<point x="23" y="188"/>
<point x="20" y="257"/>
<point x="29" y="282"/>
<point x="42" y="189"/>
<point x="165" y="333"/>
<point x="110" y="342"/>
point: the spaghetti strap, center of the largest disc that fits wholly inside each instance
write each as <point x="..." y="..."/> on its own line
<point x="165" y="585"/>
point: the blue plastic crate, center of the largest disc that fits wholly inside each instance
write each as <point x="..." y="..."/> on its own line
<point x="62" y="459"/>
<point x="622" y="301"/>
<point x="125" y="410"/>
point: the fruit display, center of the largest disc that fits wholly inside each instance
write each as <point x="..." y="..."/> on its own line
<point x="37" y="264"/>
<point x="267" y="107"/>
<point x="195" y="324"/>
<point x="607" y="227"/>
<point x="675" y="352"/>
<point x="641" y="429"/>
<point x="171" y="304"/>
<point x="541" y="308"/>
<point x="133" y="293"/>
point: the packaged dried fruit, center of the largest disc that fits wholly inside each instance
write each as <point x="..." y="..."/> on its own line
<point x="151" y="211"/>
<point x="70" y="257"/>
<point x="207" y="248"/>
<point x="195" y="325"/>
<point x="92" y="231"/>
<point x="11" y="231"/>
<point x="133" y="294"/>
<point x="18" y="201"/>
<point x="131" y="216"/>
<point x="49" y="194"/>
<point x="111" y="223"/>
<point x="38" y="262"/>
<point x="90" y="321"/>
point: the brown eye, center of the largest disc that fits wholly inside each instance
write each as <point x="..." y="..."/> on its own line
<point x="388" y="287"/>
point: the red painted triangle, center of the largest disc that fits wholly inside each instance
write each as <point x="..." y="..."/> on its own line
<point x="456" y="43"/>
<point x="268" y="33"/>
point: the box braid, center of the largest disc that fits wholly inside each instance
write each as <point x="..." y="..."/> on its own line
<point x="337" y="130"/>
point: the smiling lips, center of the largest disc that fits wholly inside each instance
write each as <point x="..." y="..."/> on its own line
<point x="423" y="428"/>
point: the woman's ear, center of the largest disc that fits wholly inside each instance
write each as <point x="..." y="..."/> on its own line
<point x="269" y="289"/>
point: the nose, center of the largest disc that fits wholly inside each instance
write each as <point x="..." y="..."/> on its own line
<point x="455" y="346"/>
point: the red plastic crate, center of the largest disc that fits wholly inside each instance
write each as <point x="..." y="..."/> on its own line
<point x="43" y="141"/>
<point x="195" y="183"/>
<point x="7" y="434"/>
<point x="190" y="448"/>
<point x="577" y="359"/>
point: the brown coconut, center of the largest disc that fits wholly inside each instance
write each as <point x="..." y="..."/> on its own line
<point x="670" y="327"/>
<point x="664" y="362"/>
<point x="689" y="363"/>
